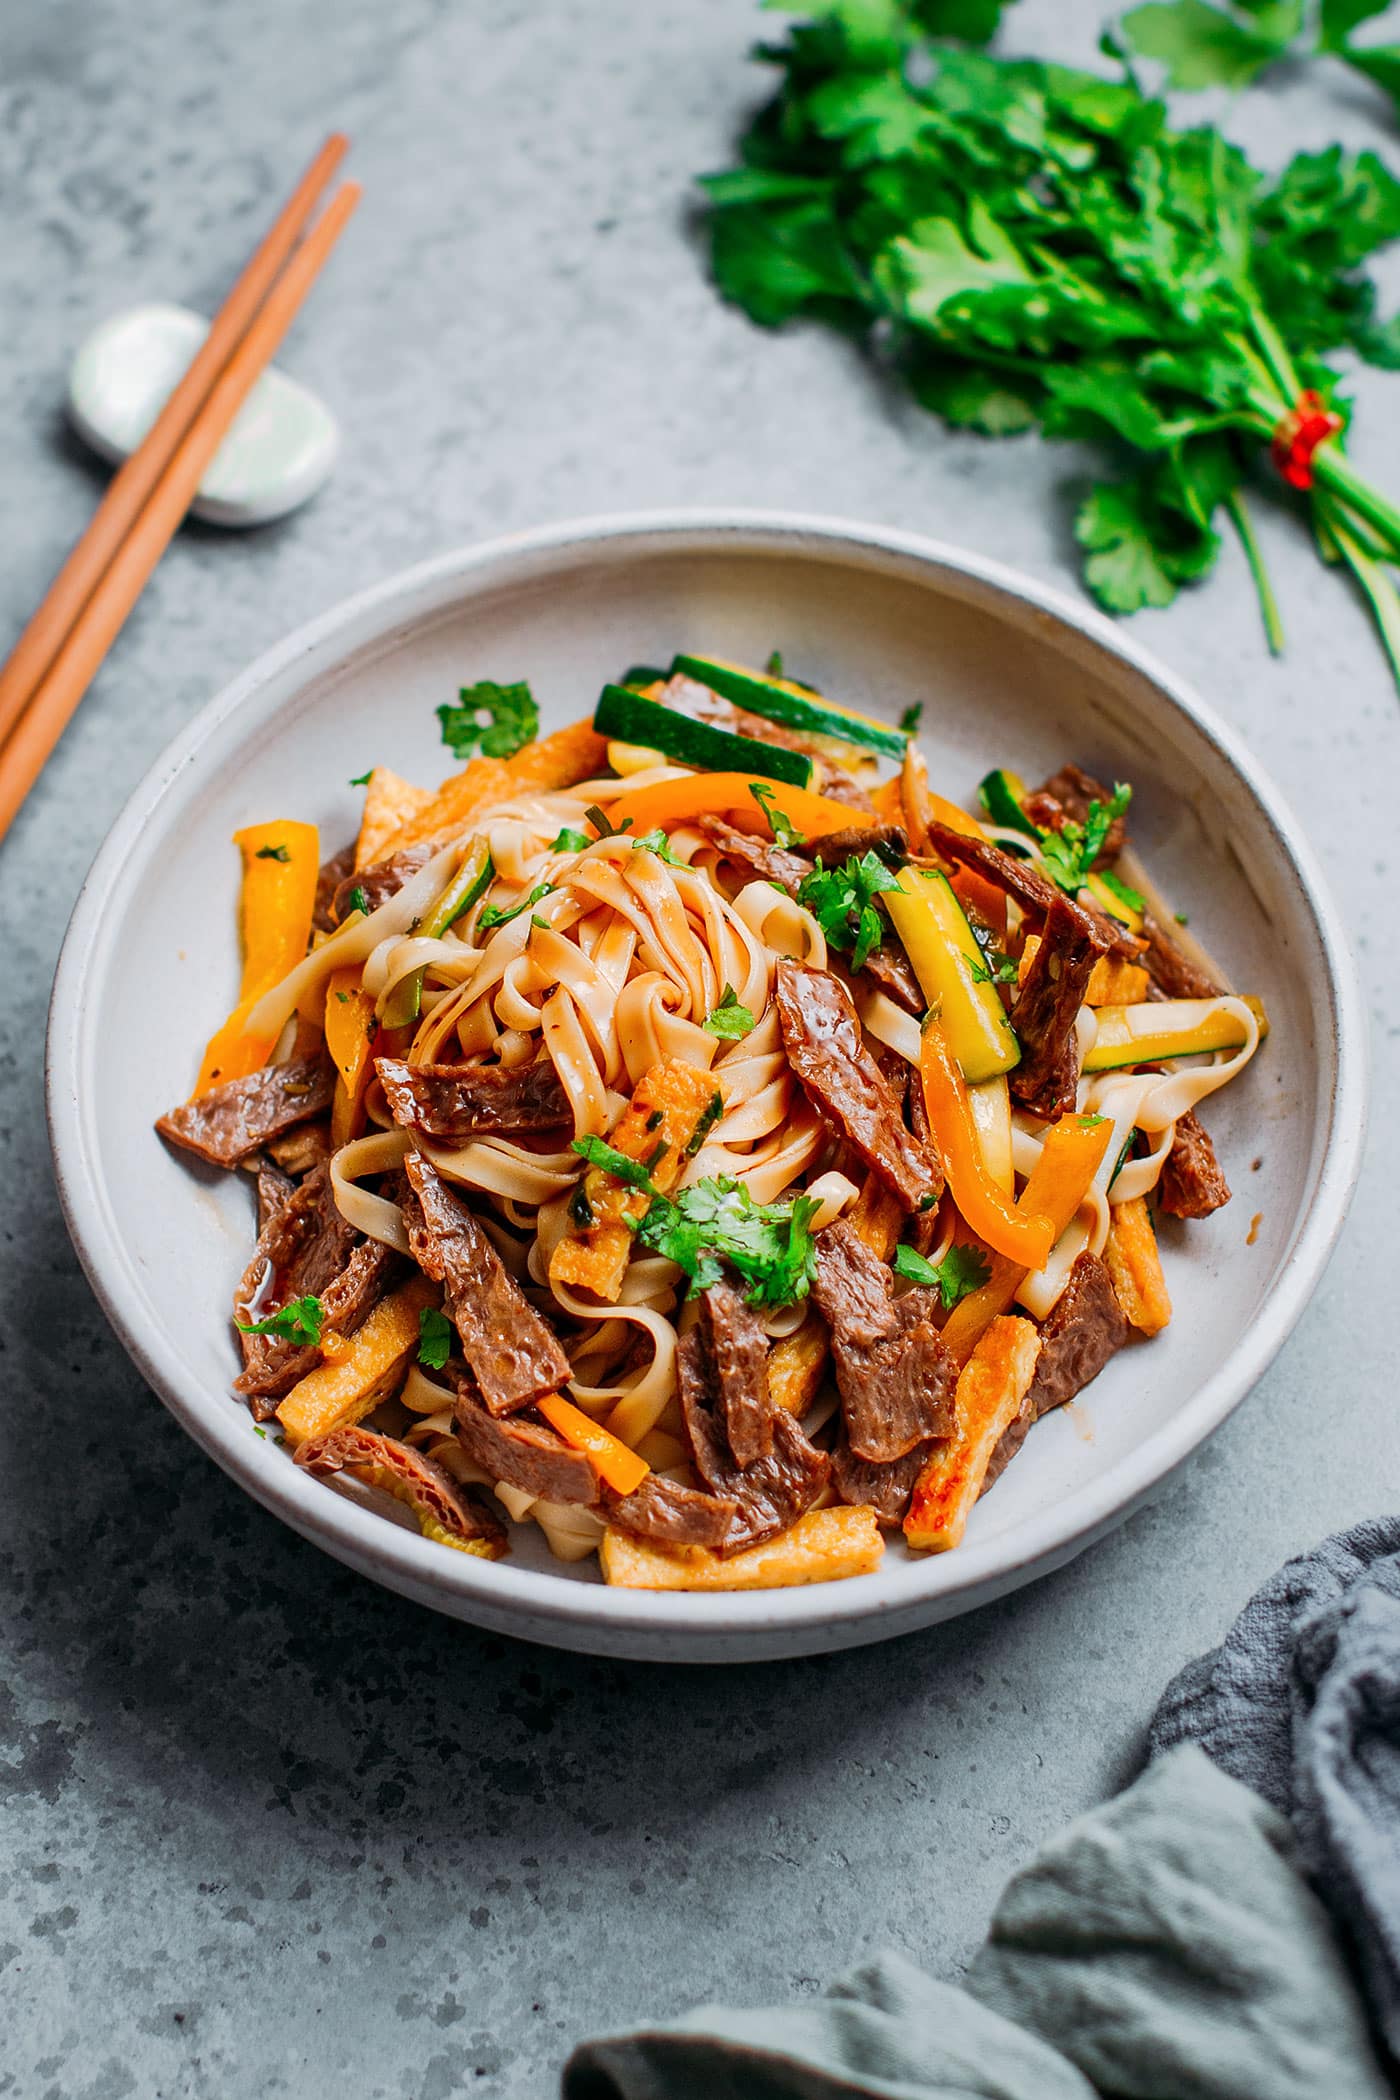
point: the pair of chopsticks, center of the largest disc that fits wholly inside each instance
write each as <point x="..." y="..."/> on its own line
<point x="57" y="656"/>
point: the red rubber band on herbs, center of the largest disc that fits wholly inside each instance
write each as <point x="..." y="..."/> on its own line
<point x="1306" y="426"/>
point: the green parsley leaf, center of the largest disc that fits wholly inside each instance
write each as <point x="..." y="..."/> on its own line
<point x="497" y="915"/>
<point x="731" y="1020"/>
<point x="494" y="719"/>
<point x="362" y="780"/>
<point x="436" y="1336"/>
<point x="570" y="841"/>
<point x="717" y="1221"/>
<point x="298" y="1321"/>
<point x="359" y="899"/>
<point x="961" y="1271"/>
<point x="635" y="1172"/>
<point x="840" y="900"/>
<point x="272" y="853"/>
<point x="785" y="832"/>
<point x="909" y="721"/>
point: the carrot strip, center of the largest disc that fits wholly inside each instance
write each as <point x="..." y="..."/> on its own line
<point x="560" y="760"/>
<point x="727" y="794"/>
<point x="350" y="1033"/>
<point x="280" y="863"/>
<point x="616" y="1466"/>
<point x="1058" y="1184"/>
<point x="1014" y="1230"/>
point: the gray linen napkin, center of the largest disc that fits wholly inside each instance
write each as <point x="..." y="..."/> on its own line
<point x="1301" y="1701"/>
<point x="1161" y="1946"/>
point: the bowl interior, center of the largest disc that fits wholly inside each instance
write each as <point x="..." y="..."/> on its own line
<point x="1002" y="680"/>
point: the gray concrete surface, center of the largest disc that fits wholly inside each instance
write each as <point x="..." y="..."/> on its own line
<point x="267" y="1830"/>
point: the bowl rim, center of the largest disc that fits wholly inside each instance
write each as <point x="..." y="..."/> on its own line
<point x="539" y="1604"/>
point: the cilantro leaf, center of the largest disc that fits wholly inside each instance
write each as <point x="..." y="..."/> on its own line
<point x="570" y="841"/>
<point x="1069" y="853"/>
<point x="717" y="1220"/>
<point x="1123" y="891"/>
<point x="498" y="915"/>
<point x="962" y="1270"/>
<point x="840" y="900"/>
<point x="990" y="966"/>
<point x="785" y="832"/>
<point x="298" y="1321"/>
<point x="774" y="666"/>
<point x="657" y="842"/>
<point x="436" y="1336"/>
<point x="1203" y="46"/>
<point x="635" y="1172"/>
<point x="362" y="780"/>
<point x="909" y="721"/>
<point x="494" y="719"/>
<point x="731" y="1020"/>
<point x="1131" y="563"/>
<point x="272" y="853"/>
<point x="359" y="899"/>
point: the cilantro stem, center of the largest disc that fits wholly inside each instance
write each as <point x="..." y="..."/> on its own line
<point x="1333" y="471"/>
<point x="1254" y="555"/>
<point x="1379" y="590"/>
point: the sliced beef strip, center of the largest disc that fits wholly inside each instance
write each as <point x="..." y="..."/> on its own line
<point x="822" y="1039"/>
<point x="1047" y="1006"/>
<point x="302" y="1250"/>
<point x="513" y="1354"/>
<point x="884" y="1488"/>
<point x="458" y="1102"/>
<point x="332" y="873"/>
<point x="231" y="1121"/>
<point x="1174" y="975"/>
<point x="895" y="1375"/>
<point x="890" y="841"/>
<point x="298" y="1152"/>
<point x="381" y="881"/>
<point x="736" y="1351"/>
<point x="888" y="967"/>
<point x="1033" y="891"/>
<point x="1082" y="1330"/>
<point x="673" y="1515"/>
<point x="1192" y="1182"/>
<point x="274" y="1189"/>
<point x="524" y="1454"/>
<point x="773" y="1492"/>
<point x="408" y="1474"/>
<point x="1066" y="796"/>
<point x="840" y="787"/>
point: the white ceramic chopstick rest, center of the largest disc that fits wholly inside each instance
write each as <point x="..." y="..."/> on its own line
<point x="279" y="449"/>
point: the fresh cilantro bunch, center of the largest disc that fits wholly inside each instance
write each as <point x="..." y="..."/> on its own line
<point x="1229" y="46"/>
<point x="718" y="1221"/>
<point x="493" y="719"/>
<point x="961" y="1271"/>
<point x="1035" y="246"/>
<point x="841" y="902"/>
<point x="1069" y="853"/>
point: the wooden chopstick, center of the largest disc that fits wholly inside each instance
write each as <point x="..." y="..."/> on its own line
<point x="100" y="620"/>
<point x="129" y="489"/>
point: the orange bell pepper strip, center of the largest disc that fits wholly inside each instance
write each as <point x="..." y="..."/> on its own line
<point x="615" y="1465"/>
<point x="1017" y="1231"/>
<point x="281" y="862"/>
<point x="350" y="1032"/>
<point x="727" y="795"/>
<point x="1058" y="1184"/>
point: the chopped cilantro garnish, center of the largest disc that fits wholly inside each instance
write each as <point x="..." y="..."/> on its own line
<point x="570" y="841"/>
<point x="272" y="853"/>
<point x="1123" y="891"/>
<point x="359" y="899"/>
<point x="1181" y="918"/>
<point x="990" y="966"/>
<point x="435" y="1338"/>
<point x="731" y="1020"/>
<point x="362" y="780"/>
<point x="961" y="1271"/>
<point x="635" y="1172"/>
<point x="602" y="826"/>
<point x="909" y="721"/>
<point x="494" y="915"/>
<point x="657" y="842"/>
<point x="1069" y="854"/>
<point x="841" y="902"/>
<point x="774" y="666"/>
<point x="299" y="1321"/>
<point x="717" y="1220"/>
<point x="785" y="832"/>
<point x="494" y="719"/>
<point x="709" y="1116"/>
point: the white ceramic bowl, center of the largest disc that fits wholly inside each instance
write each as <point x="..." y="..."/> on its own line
<point x="1008" y="672"/>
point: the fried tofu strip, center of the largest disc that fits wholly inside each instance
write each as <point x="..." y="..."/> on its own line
<point x="797" y="1363"/>
<point x="993" y="1383"/>
<point x="1131" y="1258"/>
<point x="345" y="1388"/>
<point x="826" y="1545"/>
<point x="673" y="1103"/>
<point x="391" y="802"/>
